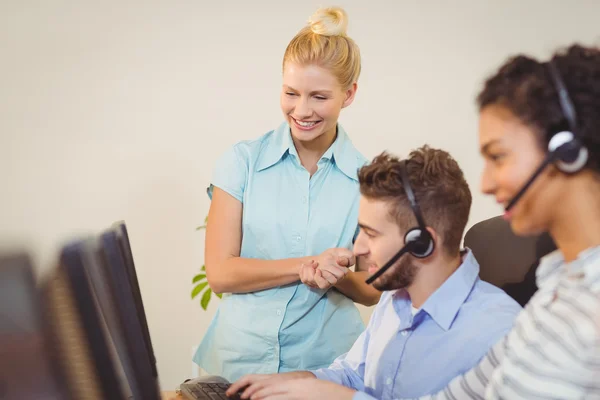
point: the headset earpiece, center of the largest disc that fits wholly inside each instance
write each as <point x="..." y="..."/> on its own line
<point x="569" y="155"/>
<point x="421" y="243"/>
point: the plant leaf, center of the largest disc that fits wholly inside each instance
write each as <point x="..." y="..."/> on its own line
<point x="203" y="268"/>
<point x="198" y="277"/>
<point x="198" y="289"/>
<point x="219" y="295"/>
<point x="205" y="298"/>
<point x="200" y="227"/>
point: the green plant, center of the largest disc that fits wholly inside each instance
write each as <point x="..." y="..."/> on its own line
<point x="201" y="283"/>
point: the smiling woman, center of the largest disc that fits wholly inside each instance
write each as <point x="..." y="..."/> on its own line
<point x="321" y="67"/>
<point x="283" y="219"/>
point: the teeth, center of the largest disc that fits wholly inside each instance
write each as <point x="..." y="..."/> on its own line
<point x="306" y="124"/>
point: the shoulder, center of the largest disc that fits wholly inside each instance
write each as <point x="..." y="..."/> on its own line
<point x="348" y="158"/>
<point x="359" y="157"/>
<point x="233" y="167"/>
<point x="489" y="312"/>
<point x="249" y="148"/>
<point x="486" y="316"/>
<point x="487" y="298"/>
<point x="361" y="160"/>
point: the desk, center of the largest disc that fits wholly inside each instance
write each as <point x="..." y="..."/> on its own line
<point x="169" y="395"/>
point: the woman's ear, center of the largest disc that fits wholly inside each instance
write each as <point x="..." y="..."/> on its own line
<point x="350" y="94"/>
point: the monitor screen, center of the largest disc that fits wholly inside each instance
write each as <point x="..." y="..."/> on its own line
<point x="129" y="316"/>
<point x="123" y="238"/>
<point x="109" y="318"/>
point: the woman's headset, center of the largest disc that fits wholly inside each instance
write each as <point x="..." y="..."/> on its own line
<point x="565" y="150"/>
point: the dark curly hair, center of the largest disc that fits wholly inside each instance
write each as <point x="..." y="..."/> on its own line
<point x="525" y="87"/>
<point x="439" y="186"/>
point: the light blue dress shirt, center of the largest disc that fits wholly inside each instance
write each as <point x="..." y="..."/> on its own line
<point x="286" y="214"/>
<point x="401" y="355"/>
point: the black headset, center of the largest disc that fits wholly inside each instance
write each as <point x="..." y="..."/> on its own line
<point x="417" y="241"/>
<point x="565" y="150"/>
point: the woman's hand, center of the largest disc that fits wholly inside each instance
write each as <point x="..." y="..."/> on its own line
<point x="327" y="269"/>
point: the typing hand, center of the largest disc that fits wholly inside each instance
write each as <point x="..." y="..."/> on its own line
<point x="328" y="268"/>
<point x="256" y="382"/>
<point x="303" y="389"/>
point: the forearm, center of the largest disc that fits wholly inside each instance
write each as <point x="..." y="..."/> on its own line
<point x="243" y="275"/>
<point x="354" y="287"/>
<point x="341" y="376"/>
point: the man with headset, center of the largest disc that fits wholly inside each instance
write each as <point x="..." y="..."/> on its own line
<point x="436" y="319"/>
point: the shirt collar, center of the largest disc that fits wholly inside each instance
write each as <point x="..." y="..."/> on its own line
<point x="443" y="304"/>
<point x="548" y="267"/>
<point x="276" y="145"/>
<point x="341" y="152"/>
<point x="553" y="265"/>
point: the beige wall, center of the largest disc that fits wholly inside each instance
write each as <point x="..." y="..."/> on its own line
<point x="115" y="110"/>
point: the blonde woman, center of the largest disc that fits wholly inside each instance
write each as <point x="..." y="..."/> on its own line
<point x="283" y="218"/>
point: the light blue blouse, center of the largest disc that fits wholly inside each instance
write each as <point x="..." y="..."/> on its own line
<point x="286" y="214"/>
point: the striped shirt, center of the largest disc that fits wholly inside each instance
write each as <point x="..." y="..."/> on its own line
<point x="553" y="351"/>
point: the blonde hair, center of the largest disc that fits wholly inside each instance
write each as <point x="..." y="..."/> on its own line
<point x="324" y="42"/>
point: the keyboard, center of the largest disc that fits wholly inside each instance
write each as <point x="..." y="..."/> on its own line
<point x="209" y="391"/>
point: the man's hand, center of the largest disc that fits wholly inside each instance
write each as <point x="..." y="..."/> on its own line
<point x="313" y="277"/>
<point x="253" y="383"/>
<point x="328" y="268"/>
<point x="304" y="389"/>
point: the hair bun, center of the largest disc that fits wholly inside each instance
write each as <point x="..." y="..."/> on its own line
<point x="330" y="21"/>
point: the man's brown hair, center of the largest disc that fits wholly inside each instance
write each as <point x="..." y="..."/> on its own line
<point x="438" y="183"/>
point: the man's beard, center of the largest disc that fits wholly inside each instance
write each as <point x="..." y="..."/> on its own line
<point x="400" y="276"/>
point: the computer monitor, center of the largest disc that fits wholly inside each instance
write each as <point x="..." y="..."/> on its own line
<point x="28" y="368"/>
<point x="103" y="293"/>
<point x="120" y="228"/>
<point x="96" y="324"/>
<point x="131" y="319"/>
<point x="78" y="330"/>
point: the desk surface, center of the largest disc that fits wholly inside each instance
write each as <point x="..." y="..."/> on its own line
<point x="170" y="395"/>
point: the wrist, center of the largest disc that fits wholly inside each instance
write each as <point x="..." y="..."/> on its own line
<point x="299" y="375"/>
<point x="303" y="375"/>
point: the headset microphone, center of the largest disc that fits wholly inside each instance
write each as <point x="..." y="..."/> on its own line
<point x="388" y="264"/>
<point x="549" y="158"/>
